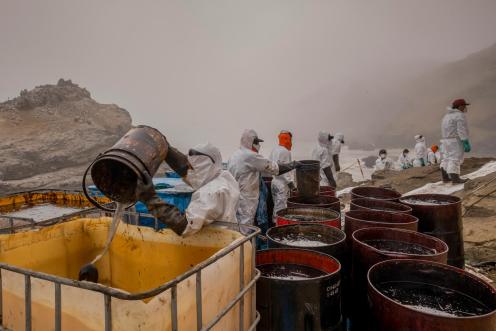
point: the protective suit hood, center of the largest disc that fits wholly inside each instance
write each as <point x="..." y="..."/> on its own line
<point x="204" y="170"/>
<point x="323" y="139"/>
<point x="419" y="138"/>
<point x="247" y="138"/>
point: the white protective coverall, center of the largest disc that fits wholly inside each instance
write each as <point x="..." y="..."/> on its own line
<point x="246" y="166"/>
<point x="216" y="192"/>
<point x="420" y="152"/>
<point x="322" y="153"/>
<point x="336" y="144"/>
<point x="404" y="162"/>
<point x="433" y="158"/>
<point x="383" y="164"/>
<point x="279" y="185"/>
<point x="454" y="129"/>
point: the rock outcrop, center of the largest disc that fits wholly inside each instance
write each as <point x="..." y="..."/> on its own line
<point x="54" y="127"/>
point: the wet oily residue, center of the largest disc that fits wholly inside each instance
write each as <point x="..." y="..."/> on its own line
<point x="302" y="239"/>
<point x="433" y="299"/>
<point x="305" y="218"/>
<point x="42" y="212"/>
<point x="402" y="247"/>
<point x="426" y="201"/>
<point x="384" y="209"/>
<point x="289" y="271"/>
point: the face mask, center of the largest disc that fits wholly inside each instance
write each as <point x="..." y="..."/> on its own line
<point x="405" y="155"/>
<point x="256" y="147"/>
<point x="383" y="156"/>
<point x="201" y="167"/>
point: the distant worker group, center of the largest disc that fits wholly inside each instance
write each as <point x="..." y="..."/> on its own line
<point x="454" y="143"/>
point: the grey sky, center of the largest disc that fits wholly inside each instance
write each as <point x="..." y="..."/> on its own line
<point x="204" y="70"/>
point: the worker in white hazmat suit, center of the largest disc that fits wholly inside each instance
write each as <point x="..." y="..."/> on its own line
<point x="383" y="162"/>
<point x="322" y="153"/>
<point x="420" y="152"/>
<point x="215" y="197"/>
<point x="455" y="141"/>
<point x="282" y="185"/>
<point x="246" y="166"/>
<point x="433" y="155"/>
<point x="404" y="161"/>
<point x="337" y="143"/>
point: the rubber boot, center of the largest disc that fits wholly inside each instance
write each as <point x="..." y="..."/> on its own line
<point x="445" y="177"/>
<point x="455" y="179"/>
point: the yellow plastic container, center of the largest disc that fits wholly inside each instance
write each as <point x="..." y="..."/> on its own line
<point x="139" y="260"/>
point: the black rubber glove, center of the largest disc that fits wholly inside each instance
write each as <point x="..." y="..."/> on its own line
<point x="335" y="158"/>
<point x="330" y="177"/>
<point x="291" y="186"/>
<point x="177" y="161"/>
<point x="165" y="213"/>
<point x="286" y="167"/>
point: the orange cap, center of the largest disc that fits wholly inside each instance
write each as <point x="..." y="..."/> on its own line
<point x="285" y="139"/>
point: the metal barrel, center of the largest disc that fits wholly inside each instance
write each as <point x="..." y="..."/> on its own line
<point x="296" y="215"/>
<point x="324" y="190"/>
<point x="299" y="303"/>
<point x="308" y="178"/>
<point x="378" y="193"/>
<point x="312" y="236"/>
<point x="359" y="219"/>
<point x="318" y="201"/>
<point x="440" y="216"/>
<point x="373" y="245"/>
<point x="136" y="155"/>
<point x="416" y="295"/>
<point x="380" y="205"/>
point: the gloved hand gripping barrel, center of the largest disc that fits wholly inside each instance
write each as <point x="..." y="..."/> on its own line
<point x="137" y="155"/>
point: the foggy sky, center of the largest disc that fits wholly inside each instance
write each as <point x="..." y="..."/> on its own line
<point x="204" y="70"/>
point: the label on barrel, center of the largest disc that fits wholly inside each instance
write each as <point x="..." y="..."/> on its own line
<point x="333" y="289"/>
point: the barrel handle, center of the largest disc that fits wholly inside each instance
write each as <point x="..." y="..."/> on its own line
<point x="90" y="199"/>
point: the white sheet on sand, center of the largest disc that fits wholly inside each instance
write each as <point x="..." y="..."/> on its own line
<point x="443" y="188"/>
<point x="448" y="188"/>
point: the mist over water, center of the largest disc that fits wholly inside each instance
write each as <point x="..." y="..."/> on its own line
<point x="204" y="71"/>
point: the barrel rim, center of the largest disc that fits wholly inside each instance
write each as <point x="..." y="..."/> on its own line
<point x="324" y="227"/>
<point x="386" y="202"/>
<point x="457" y="200"/>
<point x="437" y="265"/>
<point x="396" y="193"/>
<point x="389" y="254"/>
<point x="307" y="251"/>
<point x="323" y="210"/>
<point x="347" y="215"/>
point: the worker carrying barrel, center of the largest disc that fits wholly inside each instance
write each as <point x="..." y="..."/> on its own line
<point x="247" y="165"/>
<point x="215" y="197"/>
<point x="454" y="142"/>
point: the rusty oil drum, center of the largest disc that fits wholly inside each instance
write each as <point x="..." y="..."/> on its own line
<point x="299" y="304"/>
<point x="371" y="192"/>
<point x="308" y="214"/>
<point x="137" y="154"/>
<point x="359" y="219"/>
<point x="308" y="178"/>
<point x="365" y="255"/>
<point x="321" y="201"/>
<point x="392" y="315"/>
<point x="442" y="220"/>
<point x="285" y="236"/>
<point x="323" y="190"/>
<point x="380" y="205"/>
